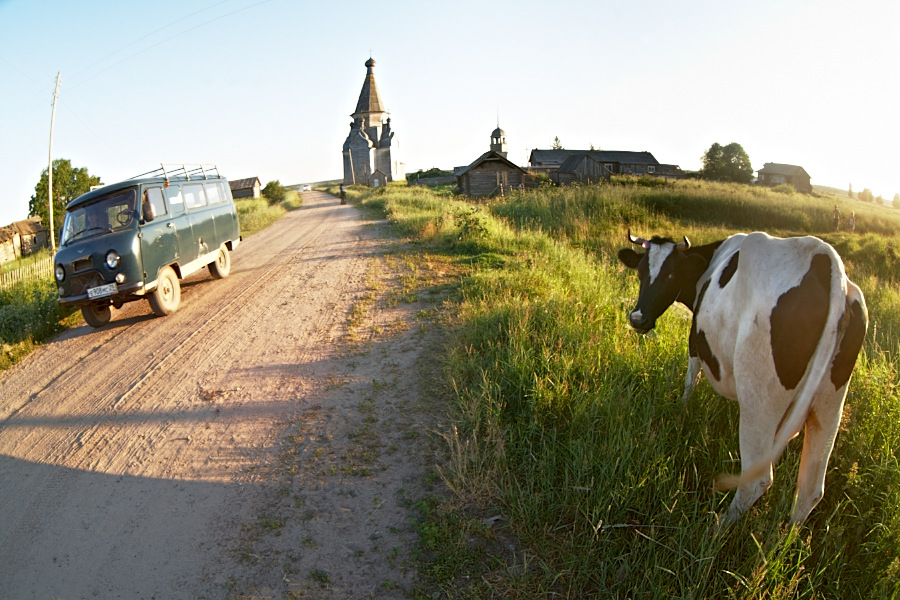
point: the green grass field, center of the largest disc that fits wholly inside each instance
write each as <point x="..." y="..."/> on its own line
<point x="576" y="470"/>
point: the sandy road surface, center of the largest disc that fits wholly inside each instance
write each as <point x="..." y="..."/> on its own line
<point x="132" y="457"/>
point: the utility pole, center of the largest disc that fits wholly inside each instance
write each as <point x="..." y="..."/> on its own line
<point x="50" y="169"/>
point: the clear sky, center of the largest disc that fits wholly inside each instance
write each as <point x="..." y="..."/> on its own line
<point x="265" y="87"/>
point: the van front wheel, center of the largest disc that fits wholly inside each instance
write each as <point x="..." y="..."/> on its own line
<point x="165" y="300"/>
<point x="221" y="267"/>
<point x="96" y="315"/>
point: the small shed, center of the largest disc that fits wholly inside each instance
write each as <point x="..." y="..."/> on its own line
<point x="582" y="168"/>
<point x="773" y="174"/>
<point x="21" y="238"/>
<point x="491" y="174"/>
<point x="378" y="179"/>
<point x="245" y="188"/>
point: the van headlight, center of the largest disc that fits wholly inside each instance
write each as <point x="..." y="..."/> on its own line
<point x="112" y="259"/>
<point x="60" y="273"/>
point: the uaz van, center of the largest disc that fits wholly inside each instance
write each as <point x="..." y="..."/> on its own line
<point x="135" y="239"/>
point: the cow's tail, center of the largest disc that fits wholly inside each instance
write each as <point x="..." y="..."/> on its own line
<point x="795" y="419"/>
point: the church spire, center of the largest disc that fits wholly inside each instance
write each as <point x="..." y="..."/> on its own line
<point x="369" y="100"/>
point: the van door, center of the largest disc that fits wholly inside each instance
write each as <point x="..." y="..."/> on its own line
<point x="184" y="237"/>
<point x="159" y="245"/>
<point x="223" y="210"/>
<point x="203" y="225"/>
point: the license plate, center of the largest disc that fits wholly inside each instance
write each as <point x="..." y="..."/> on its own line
<point x="102" y="291"/>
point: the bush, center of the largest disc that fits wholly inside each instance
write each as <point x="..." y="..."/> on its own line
<point x="784" y="188"/>
<point x="274" y="192"/>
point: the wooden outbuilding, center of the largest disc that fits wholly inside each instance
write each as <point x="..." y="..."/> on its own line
<point x="582" y="168"/>
<point x="491" y="174"/>
<point x="22" y="238"/>
<point x="773" y="174"/>
<point x="245" y="188"/>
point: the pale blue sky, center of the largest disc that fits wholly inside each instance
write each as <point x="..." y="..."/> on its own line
<point x="266" y="87"/>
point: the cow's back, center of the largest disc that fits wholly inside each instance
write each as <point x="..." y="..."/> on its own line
<point x="763" y="306"/>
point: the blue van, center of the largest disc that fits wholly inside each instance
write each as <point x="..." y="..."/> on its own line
<point x="137" y="238"/>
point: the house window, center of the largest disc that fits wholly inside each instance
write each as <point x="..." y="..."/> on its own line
<point x="651" y="169"/>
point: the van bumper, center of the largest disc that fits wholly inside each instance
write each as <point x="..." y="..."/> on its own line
<point x="126" y="294"/>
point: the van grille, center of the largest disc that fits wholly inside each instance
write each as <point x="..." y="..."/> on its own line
<point x="82" y="264"/>
<point x="80" y="283"/>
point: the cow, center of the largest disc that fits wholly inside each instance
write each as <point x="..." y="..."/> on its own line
<point x="777" y="327"/>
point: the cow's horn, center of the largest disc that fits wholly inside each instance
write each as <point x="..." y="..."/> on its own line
<point x="639" y="241"/>
<point x="685" y="244"/>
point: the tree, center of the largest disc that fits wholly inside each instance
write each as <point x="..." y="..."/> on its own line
<point x="712" y="162"/>
<point x="850" y="192"/>
<point x="866" y="195"/>
<point x="896" y="200"/>
<point x="68" y="183"/>
<point x="274" y="192"/>
<point x="729" y="163"/>
<point x="557" y="145"/>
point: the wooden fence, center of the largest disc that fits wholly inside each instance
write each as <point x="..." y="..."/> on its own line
<point x="42" y="268"/>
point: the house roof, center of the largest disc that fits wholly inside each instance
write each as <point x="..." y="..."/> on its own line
<point x="30" y="226"/>
<point x="624" y="157"/>
<point x="782" y="169"/>
<point x="243" y="184"/>
<point x="369" y="99"/>
<point x="571" y="164"/>
<point x="488" y="156"/>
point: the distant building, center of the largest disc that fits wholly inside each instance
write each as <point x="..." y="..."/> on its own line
<point x="773" y="174"/>
<point x="245" y="188"/>
<point x="581" y="167"/>
<point x="491" y="174"/>
<point x="616" y="162"/>
<point x="370" y="151"/>
<point x="22" y="238"/>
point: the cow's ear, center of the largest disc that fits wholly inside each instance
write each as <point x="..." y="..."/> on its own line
<point x="630" y="258"/>
<point x="693" y="266"/>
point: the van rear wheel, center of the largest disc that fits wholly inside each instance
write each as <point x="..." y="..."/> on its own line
<point x="96" y="315"/>
<point x="165" y="300"/>
<point x="221" y="267"/>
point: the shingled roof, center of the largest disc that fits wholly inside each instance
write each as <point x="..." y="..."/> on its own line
<point x="369" y="100"/>
<point x="624" y="157"/>
<point x="782" y="169"/>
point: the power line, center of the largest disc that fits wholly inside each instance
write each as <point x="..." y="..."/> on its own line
<point x="165" y="40"/>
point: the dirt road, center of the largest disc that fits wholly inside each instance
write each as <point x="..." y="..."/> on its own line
<point x="236" y="448"/>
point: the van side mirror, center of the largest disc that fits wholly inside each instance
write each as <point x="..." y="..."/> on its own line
<point x="149" y="212"/>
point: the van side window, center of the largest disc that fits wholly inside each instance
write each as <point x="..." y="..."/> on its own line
<point x="193" y="196"/>
<point x="212" y="193"/>
<point x="155" y="196"/>
<point x="174" y="195"/>
<point x="222" y="189"/>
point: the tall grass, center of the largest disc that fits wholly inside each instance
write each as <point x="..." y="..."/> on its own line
<point x="571" y="430"/>
<point x="29" y="315"/>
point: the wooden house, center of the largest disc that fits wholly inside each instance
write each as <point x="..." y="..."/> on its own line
<point x="245" y="188"/>
<point x="491" y="174"/>
<point x="22" y="238"/>
<point x="582" y="168"/>
<point x="773" y="174"/>
<point x="617" y="162"/>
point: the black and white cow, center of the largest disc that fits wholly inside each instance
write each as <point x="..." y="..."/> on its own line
<point x="777" y="327"/>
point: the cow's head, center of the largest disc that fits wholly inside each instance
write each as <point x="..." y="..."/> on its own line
<point x="667" y="271"/>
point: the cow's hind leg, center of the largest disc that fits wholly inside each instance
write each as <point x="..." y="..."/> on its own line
<point x="818" y="440"/>
<point x="757" y="432"/>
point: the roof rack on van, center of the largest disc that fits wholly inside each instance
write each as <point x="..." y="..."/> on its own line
<point x="183" y="171"/>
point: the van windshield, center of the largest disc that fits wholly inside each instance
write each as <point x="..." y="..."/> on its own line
<point x="109" y="213"/>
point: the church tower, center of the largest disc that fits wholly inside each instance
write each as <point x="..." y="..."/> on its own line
<point x="498" y="142"/>
<point x="369" y="152"/>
